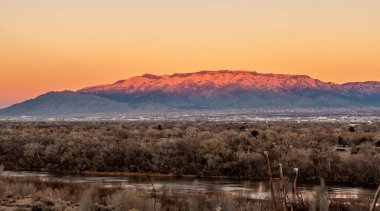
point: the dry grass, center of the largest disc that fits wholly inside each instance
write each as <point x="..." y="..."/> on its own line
<point x="53" y="196"/>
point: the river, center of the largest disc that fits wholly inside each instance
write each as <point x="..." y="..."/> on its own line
<point x="251" y="189"/>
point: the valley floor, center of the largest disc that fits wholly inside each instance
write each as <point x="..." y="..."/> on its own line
<point x="338" y="152"/>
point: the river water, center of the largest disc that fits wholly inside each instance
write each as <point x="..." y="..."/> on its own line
<point x="251" y="189"/>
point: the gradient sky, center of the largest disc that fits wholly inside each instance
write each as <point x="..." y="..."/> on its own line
<point x="56" y="45"/>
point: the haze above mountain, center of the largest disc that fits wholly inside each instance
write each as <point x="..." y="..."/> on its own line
<point x="206" y="90"/>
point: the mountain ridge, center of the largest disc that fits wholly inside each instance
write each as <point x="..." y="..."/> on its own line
<point x="246" y="79"/>
<point x="225" y="88"/>
<point x="203" y="90"/>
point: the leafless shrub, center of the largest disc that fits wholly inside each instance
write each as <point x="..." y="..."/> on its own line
<point x="17" y="189"/>
<point x="320" y="200"/>
<point x="128" y="199"/>
<point x="193" y="148"/>
<point x="86" y="203"/>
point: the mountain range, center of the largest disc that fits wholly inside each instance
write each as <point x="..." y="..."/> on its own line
<point x="203" y="90"/>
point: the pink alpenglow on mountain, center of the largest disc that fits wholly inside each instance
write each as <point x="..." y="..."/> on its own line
<point x="233" y="80"/>
<point x="204" y="90"/>
<point x="216" y="89"/>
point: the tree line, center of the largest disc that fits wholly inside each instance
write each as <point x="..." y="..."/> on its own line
<point x="194" y="148"/>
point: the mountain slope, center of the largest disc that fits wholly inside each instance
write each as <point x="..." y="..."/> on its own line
<point x="209" y="81"/>
<point x="237" y="89"/>
<point x="369" y="87"/>
<point x="64" y="103"/>
<point x="206" y="89"/>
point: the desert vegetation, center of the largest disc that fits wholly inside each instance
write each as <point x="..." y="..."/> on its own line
<point x="35" y="194"/>
<point x="198" y="149"/>
<point x="202" y="149"/>
<point x="24" y="194"/>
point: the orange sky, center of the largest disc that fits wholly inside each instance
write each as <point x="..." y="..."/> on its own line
<point x="55" y="45"/>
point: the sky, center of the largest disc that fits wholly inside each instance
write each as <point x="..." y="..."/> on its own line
<point x="48" y="45"/>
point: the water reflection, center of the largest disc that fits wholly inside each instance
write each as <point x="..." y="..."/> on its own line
<point x="251" y="189"/>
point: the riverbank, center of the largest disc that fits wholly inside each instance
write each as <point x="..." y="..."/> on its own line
<point x="153" y="176"/>
<point x="41" y="193"/>
<point x="36" y="194"/>
<point x="196" y="149"/>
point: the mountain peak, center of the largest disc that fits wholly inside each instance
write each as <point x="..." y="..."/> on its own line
<point x="237" y="88"/>
<point x="208" y="82"/>
<point x="204" y="89"/>
<point x="151" y="76"/>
